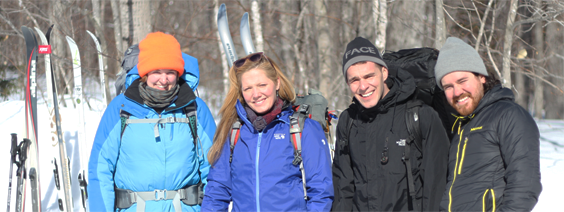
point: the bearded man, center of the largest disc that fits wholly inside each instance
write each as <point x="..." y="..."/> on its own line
<point x="494" y="157"/>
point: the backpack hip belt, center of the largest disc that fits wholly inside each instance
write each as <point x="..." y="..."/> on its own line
<point x="191" y="195"/>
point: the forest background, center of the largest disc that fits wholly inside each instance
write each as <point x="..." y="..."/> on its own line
<point x="520" y="41"/>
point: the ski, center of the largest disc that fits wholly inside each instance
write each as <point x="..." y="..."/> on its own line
<point x="102" y="71"/>
<point x="31" y="117"/>
<point x="225" y="35"/>
<point x="246" y="37"/>
<point x="45" y="49"/>
<point x="80" y="107"/>
<point x="22" y="151"/>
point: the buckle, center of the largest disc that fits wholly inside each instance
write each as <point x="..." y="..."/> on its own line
<point x="160" y="195"/>
<point x="170" y="119"/>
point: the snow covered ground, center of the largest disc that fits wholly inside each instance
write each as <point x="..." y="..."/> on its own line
<point x="12" y="121"/>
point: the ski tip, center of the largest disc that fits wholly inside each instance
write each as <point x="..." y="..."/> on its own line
<point x="70" y="40"/>
<point x="222" y="11"/>
<point x="245" y="18"/>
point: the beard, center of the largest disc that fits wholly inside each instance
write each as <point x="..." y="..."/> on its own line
<point x="470" y="106"/>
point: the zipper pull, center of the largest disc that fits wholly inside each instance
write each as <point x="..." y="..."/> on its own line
<point x="384" y="159"/>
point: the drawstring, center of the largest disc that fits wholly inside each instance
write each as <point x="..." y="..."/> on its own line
<point x="461" y="118"/>
<point x="384" y="159"/>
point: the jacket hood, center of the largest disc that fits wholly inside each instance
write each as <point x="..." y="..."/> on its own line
<point x="191" y="72"/>
<point x="497" y="93"/>
<point x="402" y="87"/>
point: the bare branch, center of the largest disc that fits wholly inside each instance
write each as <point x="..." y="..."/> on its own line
<point x="12" y="26"/>
<point x="458" y="24"/>
<point x="482" y="25"/>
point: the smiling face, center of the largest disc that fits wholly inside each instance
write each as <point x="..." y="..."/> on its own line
<point x="366" y="81"/>
<point x="162" y="79"/>
<point x="463" y="90"/>
<point x="258" y="90"/>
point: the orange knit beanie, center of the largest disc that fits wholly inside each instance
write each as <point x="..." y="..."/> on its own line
<point x="159" y="51"/>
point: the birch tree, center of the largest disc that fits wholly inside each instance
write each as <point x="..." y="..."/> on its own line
<point x="508" y="42"/>
<point x="380" y="14"/>
<point x="324" y="47"/>
<point x="440" y="31"/>
<point x="257" y="27"/>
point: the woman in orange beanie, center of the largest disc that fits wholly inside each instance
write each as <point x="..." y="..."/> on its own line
<point x="150" y="149"/>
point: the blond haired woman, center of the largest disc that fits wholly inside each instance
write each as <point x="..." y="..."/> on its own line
<point x="257" y="174"/>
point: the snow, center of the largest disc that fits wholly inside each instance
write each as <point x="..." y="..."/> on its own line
<point x="13" y="116"/>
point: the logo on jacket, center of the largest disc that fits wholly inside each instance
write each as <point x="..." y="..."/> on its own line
<point x="323" y="141"/>
<point x="279" y="136"/>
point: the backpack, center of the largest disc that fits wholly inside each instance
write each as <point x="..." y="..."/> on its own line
<point x="313" y="106"/>
<point x="420" y="63"/>
<point x="130" y="60"/>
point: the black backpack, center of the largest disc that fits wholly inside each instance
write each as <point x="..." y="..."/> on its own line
<point x="420" y="63"/>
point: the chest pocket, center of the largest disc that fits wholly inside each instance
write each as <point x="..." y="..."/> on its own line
<point x="477" y="147"/>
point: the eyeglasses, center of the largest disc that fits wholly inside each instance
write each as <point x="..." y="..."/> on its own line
<point x="254" y="57"/>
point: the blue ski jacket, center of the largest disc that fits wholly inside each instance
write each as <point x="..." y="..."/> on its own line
<point x="261" y="176"/>
<point x="139" y="161"/>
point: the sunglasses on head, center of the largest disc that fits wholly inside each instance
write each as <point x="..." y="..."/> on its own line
<point x="254" y="57"/>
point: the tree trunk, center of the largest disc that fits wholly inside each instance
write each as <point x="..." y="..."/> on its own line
<point x="405" y="19"/>
<point x="324" y="47"/>
<point x="440" y="29"/>
<point x="142" y="20"/>
<point x="298" y="46"/>
<point x="508" y="41"/>
<point x="554" y="38"/>
<point x="380" y="15"/>
<point x="257" y="27"/>
<point x="287" y="33"/>
<point x="539" y="54"/>
<point x="118" y="36"/>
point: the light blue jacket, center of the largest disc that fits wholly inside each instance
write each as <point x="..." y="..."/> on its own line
<point x="141" y="162"/>
<point x="261" y="176"/>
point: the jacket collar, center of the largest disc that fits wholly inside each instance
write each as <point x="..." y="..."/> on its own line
<point x="185" y="95"/>
<point x="283" y="116"/>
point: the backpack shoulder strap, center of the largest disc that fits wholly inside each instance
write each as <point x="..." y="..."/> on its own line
<point x="412" y="123"/>
<point x="123" y="116"/>
<point x="296" y="128"/>
<point x="235" y="129"/>
<point x="191" y="112"/>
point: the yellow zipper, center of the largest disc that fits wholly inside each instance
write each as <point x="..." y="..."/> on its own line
<point x="463" y="154"/>
<point x="455" y="168"/>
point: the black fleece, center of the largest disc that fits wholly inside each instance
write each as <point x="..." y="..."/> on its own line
<point x="494" y="153"/>
<point x="362" y="182"/>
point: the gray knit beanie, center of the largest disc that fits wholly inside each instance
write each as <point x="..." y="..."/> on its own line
<point x="456" y="55"/>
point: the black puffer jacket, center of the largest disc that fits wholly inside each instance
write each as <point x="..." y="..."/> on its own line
<point x="495" y="153"/>
<point x="362" y="182"/>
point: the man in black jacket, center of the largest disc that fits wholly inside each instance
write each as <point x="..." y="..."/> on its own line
<point x="369" y="172"/>
<point x="494" y="157"/>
